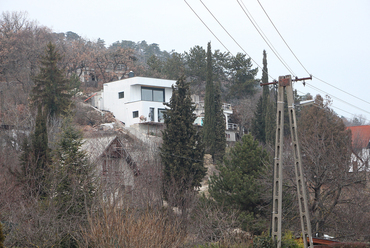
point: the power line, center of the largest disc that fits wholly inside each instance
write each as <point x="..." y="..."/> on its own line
<point x="282" y="37"/>
<point x="300" y="61"/>
<point x="315" y="88"/>
<point x="332" y="106"/>
<point x="271" y="47"/>
<point x="219" y="39"/>
<point x="341" y="90"/>
<point x="233" y="37"/>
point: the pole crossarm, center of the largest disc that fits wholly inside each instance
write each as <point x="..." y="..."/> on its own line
<point x="293" y="80"/>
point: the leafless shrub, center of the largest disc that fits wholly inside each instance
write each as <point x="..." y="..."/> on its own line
<point x="113" y="227"/>
<point x="210" y="222"/>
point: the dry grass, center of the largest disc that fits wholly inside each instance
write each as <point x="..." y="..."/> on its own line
<point x="133" y="228"/>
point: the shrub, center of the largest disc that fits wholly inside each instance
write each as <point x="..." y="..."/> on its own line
<point x="133" y="228"/>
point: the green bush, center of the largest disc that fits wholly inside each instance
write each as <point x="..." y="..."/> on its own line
<point x="287" y="241"/>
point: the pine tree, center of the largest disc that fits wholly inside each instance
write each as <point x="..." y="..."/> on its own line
<point x="74" y="182"/>
<point x="182" y="149"/>
<point x="237" y="184"/>
<point x="35" y="158"/>
<point x="214" y="120"/>
<point x="51" y="90"/>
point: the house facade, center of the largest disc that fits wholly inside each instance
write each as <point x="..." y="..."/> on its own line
<point x="141" y="100"/>
<point x="231" y="129"/>
<point x="115" y="166"/>
<point x="135" y="99"/>
<point x="360" y="148"/>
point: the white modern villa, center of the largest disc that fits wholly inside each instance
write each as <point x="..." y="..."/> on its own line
<point x="140" y="100"/>
<point x="136" y="99"/>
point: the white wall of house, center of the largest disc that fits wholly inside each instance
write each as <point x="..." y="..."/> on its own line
<point x="124" y="106"/>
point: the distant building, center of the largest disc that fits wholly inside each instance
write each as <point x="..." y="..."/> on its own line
<point x="231" y="129"/>
<point x="360" y="148"/>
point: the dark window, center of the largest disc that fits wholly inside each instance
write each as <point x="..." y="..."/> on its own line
<point x="151" y="114"/>
<point x="160" y="115"/>
<point x="135" y="114"/>
<point x="152" y="94"/>
<point x="121" y="95"/>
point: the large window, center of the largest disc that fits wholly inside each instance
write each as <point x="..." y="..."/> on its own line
<point x="152" y="94"/>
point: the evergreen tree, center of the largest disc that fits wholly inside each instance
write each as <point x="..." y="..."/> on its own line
<point x="258" y="123"/>
<point x="243" y="82"/>
<point x="236" y="184"/>
<point x="51" y="90"/>
<point x="219" y="144"/>
<point x="74" y="183"/>
<point x="182" y="149"/>
<point x="35" y="158"/>
<point x="263" y="123"/>
<point x="214" y="120"/>
<point x="209" y="105"/>
<point x="270" y="121"/>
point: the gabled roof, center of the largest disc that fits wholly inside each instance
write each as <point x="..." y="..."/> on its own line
<point x="360" y="136"/>
<point x="96" y="146"/>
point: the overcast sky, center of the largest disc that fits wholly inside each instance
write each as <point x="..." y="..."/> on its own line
<point x="329" y="37"/>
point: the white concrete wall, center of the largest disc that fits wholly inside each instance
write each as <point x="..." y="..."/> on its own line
<point x="123" y="108"/>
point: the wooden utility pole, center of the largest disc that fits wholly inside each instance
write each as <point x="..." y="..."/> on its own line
<point x="285" y="84"/>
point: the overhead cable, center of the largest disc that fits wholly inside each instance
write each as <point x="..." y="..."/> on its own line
<point x="332" y="106"/>
<point x="300" y="61"/>
<point x="233" y="37"/>
<point x="282" y="38"/>
<point x="271" y="47"/>
<point x="341" y="90"/>
<point x="219" y="39"/>
<point x="315" y="88"/>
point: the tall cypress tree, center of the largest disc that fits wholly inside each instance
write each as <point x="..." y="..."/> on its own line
<point x="263" y="123"/>
<point x="265" y="88"/>
<point x="214" y="120"/>
<point x="209" y="101"/>
<point x="51" y="90"/>
<point x="182" y="149"/>
<point x="219" y="144"/>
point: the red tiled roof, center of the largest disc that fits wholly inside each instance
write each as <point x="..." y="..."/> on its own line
<point x="360" y="136"/>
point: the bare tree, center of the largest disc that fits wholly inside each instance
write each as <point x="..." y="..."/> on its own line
<point x="326" y="151"/>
